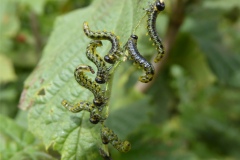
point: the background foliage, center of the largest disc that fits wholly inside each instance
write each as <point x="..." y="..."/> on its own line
<point x="192" y="110"/>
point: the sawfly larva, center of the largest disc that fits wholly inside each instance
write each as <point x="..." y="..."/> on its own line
<point x="152" y="13"/>
<point x="83" y="80"/>
<point x="92" y="55"/>
<point x="115" y="51"/>
<point x="108" y="136"/>
<point x="95" y="114"/>
<point x="139" y="60"/>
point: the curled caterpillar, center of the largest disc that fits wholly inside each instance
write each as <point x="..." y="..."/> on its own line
<point x="115" y="51"/>
<point x="83" y="80"/>
<point x="139" y="60"/>
<point x="95" y="114"/>
<point x="108" y="136"/>
<point x="152" y="13"/>
<point x="92" y="55"/>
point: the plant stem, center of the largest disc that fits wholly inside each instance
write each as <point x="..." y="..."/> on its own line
<point x="36" y="32"/>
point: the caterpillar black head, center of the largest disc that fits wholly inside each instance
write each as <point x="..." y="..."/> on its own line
<point x="110" y="59"/>
<point x="97" y="102"/>
<point x="100" y="80"/>
<point x="94" y="120"/>
<point x="134" y="36"/>
<point x="160" y="5"/>
<point x="95" y="116"/>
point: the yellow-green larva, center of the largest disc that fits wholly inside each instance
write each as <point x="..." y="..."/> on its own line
<point x="83" y="80"/>
<point x="152" y="13"/>
<point x="108" y="136"/>
<point x="92" y="55"/>
<point x="95" y="114"/>
<point x="139" y="60"/>
<point x="115" y="51"/>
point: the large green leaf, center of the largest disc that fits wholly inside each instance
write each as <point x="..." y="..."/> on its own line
<point x="18" y="143"/>
<point x="52" y="80"/>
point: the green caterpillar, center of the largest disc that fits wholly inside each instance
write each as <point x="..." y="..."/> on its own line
<point x="108" y="136"/>
<point x="115" y="51"/>
<point x="92" y="55"/>
<point x="95" y="114"/>
<point x="83" y="80"/>
<point x="152" y="13"/>
<point x="131" y="47"/>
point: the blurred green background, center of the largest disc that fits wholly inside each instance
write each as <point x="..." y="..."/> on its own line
<point x="194" y="102"/>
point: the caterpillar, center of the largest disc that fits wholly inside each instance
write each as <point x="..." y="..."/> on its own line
<point x="152" y="13"/>
<point x="108" y="136"/>
<point x="131" y="47"/>
<point x="83" y="80"/>
<point x="95" y="114"/>
<point x="92" y="55"/>
<point x="114" y="52"/>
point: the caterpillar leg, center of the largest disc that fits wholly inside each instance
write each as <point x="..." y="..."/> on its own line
<point x="95" y="114"/>
<point x="92" y="55"/>
<point x="108" y="136"/>
<point x="114" y="52"/>
<point x="139" y="60"/>
<point x="83" y="80"/>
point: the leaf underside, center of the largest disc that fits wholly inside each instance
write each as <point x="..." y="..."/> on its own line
<point x="52" y="80"/>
